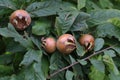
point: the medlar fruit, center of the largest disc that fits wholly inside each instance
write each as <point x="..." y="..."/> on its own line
<point x="87" y="41"/>
<point x="49" y="44"/>
<point x="20" y="19"/>
<point x="66" y="43"/>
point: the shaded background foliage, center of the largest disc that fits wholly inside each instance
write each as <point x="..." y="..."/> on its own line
<point x="21" y="54"/>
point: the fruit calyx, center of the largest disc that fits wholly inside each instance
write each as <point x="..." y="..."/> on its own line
<point x="70" y="43"/>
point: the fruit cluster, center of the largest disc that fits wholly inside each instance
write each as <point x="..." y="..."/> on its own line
<point x="20" y="19"/>
<point x="66" y="43"/>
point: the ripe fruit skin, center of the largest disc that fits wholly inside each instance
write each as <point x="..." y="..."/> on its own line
<point x="20" y="19"/>
<point x="87" y="41"/>
<point x="49" y="44"/>
<point x="66" y="43"/>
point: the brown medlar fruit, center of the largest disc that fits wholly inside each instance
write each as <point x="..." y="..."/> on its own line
<point x="66" y="43"/>
<point x="20" y="19"/>
<point x="49" y="44"/>
<point x="87" y="41"/>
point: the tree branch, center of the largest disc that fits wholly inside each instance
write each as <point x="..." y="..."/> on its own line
<point x="67" y="67"/>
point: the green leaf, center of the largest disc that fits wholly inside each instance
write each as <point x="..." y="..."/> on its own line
<point x="36" y="41"/>
<point x="45" y="65"/>
<point x="69" y="75"/>
<point x="44" y="8"/>
<point x="99" y="43"/>
<point x="8" y="4"/>
<point x="4" y="11"/>
<point x="80" y="22"/>
<point x="66" y="20"/>
<point x="83" y="62"/>
<point x="106" y="4"/>
<point x="58" y="27"/>
<point x="112" y="76"/>
<point x="6" y="70"/>
<point x="5" y="78"/>
<point x="13" y="77"/>
<point x="116" y="61"/>
<point x="14" y="47"/>
<point x="41" y="28"/>
<point x="33" y="71"/>
<point x="30" y="57"/>
<point x="79" y="71"/>
<point x="96" y="74"/>
<point x="108" y="30"/>
<point x="115" y="44"/>
<point x="57" y="62"/>
<point x="80" y="50"/>
<point x="117" y="49"/>
<point x="81" y="4"/>
<point x="90" y="5"/>
<point x="106" y="78"/>
<point x="98" y="64"/>
<point x="11" y="32"/>
<point x="18" y="57"/>
<point x="99" y="17"/>
<point x="115" y="21"/>
<point x="72" y="59"/>
<point x="110" y="63"/>
<point x="111" y="53"/>
<point x="6" y="59"/>
<point x="48" y="8"/>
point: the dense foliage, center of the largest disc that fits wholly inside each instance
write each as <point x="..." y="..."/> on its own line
<point x="23" y="58"/>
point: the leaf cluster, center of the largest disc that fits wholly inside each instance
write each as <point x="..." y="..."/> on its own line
<point x="23" y="58"/>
